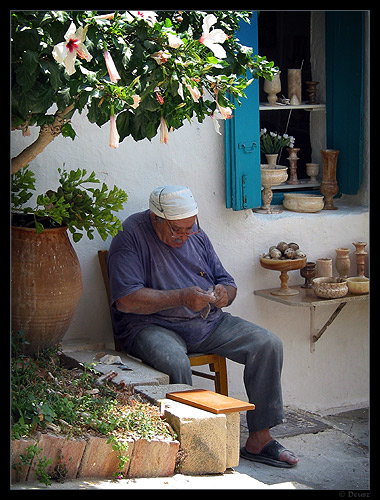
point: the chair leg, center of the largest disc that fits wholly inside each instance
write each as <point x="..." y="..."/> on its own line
<point x="221" y="381"/>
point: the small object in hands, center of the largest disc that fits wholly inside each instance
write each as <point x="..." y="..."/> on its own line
<point x="206" y="310"/>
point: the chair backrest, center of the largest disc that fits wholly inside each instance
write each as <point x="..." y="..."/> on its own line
<point x="102" y="255"/>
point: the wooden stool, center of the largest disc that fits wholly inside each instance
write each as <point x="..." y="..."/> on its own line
<point x="217" y="364"/>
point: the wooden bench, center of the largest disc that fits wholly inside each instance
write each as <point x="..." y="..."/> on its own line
<point x="217" y="364"/>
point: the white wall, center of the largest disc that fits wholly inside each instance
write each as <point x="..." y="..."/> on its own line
<point x="336" y="374"/>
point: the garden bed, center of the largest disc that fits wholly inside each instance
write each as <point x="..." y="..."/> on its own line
<point x="69" y="423"/>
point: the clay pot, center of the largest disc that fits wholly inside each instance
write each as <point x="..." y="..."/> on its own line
<point x="46" y="285"/>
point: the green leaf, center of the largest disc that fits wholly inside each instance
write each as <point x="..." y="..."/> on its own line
<point x="77" y="237"/>
<point x="68" y="131"/>
<point x="122" y="124"/>
<point x="39" y="227"/>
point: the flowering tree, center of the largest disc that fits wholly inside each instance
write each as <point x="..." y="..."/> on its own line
<point x="142" y="71"/>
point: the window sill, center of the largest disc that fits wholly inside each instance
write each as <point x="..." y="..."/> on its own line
<point x="344" y="208"/>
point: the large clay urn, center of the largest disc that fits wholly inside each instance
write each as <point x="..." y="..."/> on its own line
<point x="46" y="285"/>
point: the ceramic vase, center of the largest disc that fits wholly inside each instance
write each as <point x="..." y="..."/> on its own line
<point x="271" y="175"/>
<point x="46" y="284"/>
<point x="324" y="267"/>
<point x="342" y="262"/>
<point x="308" y="272"/>
<point x="271" y="158"/>
<point x="360" y="257"/>
<point x="329" y="186"/>
<point x="294" y="84"/>
<point x="312" y="170"/>
<point x="312" y="91"/>
<point x="273" y="87"/>
<point x="293" y="158"/>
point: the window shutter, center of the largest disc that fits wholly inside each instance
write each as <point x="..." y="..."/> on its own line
<point x="242" y="139"/>
<point x="344" y="94"/>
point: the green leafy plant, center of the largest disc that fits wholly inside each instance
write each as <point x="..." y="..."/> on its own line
<point x="145" y="72"/>
<point x="73" y="203"/>
<point x="46" y="394"/>
<point x="272" y="142"/>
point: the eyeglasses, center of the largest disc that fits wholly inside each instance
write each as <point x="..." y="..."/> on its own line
<point x="176" y="234"/>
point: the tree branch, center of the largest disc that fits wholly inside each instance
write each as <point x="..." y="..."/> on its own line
<point x="47" y="134"/>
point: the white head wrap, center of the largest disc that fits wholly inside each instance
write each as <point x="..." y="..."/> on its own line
<point x="173" y="202"/>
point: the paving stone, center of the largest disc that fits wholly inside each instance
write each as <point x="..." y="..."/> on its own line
<point x="18" y="448"/>
<point x="100" y="460"/>
<point x="66" y="455"/>
<point x="154" y="458"/>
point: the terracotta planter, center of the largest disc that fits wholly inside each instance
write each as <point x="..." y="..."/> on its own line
<point x="46" y="285"/>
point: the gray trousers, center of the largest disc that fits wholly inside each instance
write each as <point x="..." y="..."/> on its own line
<point x="259" y="350"/>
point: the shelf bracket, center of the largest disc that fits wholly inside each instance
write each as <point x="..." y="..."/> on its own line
<point x="316" y="334"/>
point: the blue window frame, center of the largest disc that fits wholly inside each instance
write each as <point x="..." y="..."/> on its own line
<point x="344" y="103"/>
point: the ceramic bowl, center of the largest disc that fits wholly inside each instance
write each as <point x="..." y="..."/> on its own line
<point x="330" y="288"/>
<point x="302" y="202"/>
<point x="358" y="284"/>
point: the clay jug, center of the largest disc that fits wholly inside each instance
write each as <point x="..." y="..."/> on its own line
<point x="46" y="285"/>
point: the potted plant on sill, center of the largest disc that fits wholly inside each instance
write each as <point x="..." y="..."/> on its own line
<point x="272" y="143"/>
<point x="46" y="276"/>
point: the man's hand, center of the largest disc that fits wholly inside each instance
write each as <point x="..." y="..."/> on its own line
<point x="195" y="298"/>
<point x="221" y="296"/>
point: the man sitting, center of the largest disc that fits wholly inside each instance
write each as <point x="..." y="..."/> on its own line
<point x="168" y="288"/>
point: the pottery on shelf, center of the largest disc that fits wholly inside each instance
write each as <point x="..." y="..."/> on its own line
<point x="358" y="284"/>
<point x="330" y="288"/>
<point x="283" y="266"/>
<point x="311" y="89"/>
<point x="312" y="170"/>
<point x="360" y="257"/>
<point x="303" y="202"/>
<point x="308" y="272"/>
<point x="342" y="262"/>
<point x="294" y="84"/>
<point x="293" y="158"/>
<point x="329" y="186"/>
<point x="273" y="87"/>
<point x="271" y="158"/>
<point x="324" y="267"/>
<point x="271" y="175"/>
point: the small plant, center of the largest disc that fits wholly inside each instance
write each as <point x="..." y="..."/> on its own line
<point x="273" y="142"/>
<point x="73" y="203"/>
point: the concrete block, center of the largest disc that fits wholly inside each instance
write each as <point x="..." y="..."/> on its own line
<point x="233" y="439"/>
<point x="154" y="458"/>
<point x="140" y="374"/>
<point x="202" y="436"/>
<point x="19" y="473"/>
<point x="156" y="395"/>
<point x="66" y="455"/>
<point x="100" y="460"/>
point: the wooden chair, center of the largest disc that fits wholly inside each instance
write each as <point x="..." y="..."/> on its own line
<point x="217" y="364"/>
